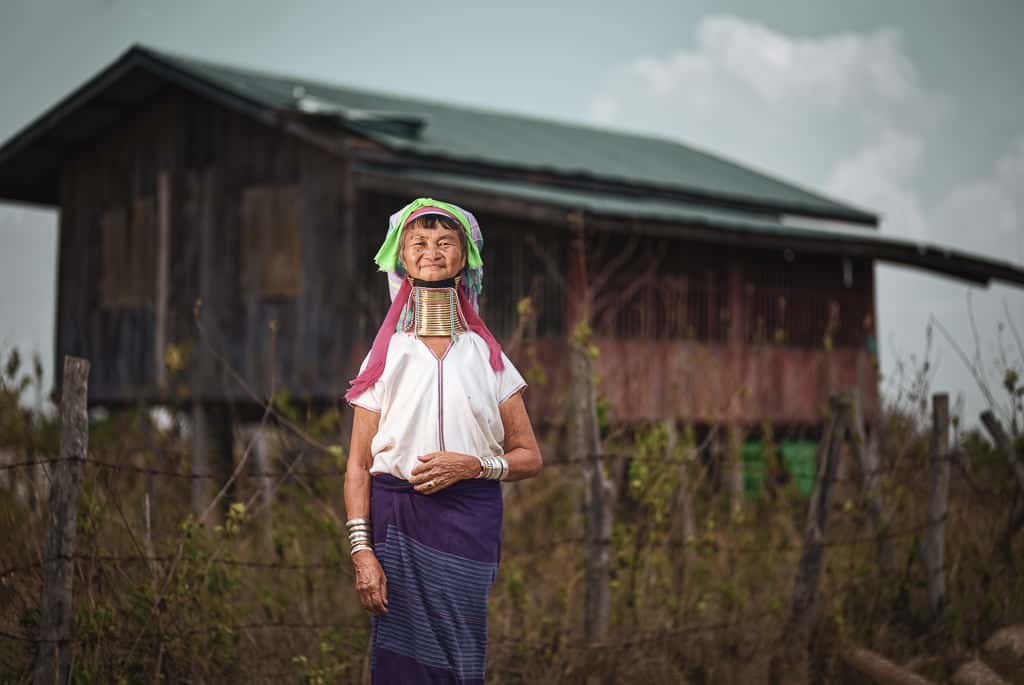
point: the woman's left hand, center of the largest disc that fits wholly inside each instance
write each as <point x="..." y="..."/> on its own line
<point x="438" y="470"/>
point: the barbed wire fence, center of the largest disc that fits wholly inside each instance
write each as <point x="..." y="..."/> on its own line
<point x="786" y="632"/>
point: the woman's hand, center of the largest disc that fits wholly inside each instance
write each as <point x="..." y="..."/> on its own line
<point x="371" y="584"/>
<point x="438" y="470"/>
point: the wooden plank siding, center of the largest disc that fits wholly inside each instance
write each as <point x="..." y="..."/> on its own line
<point x="215" y="159"/>
<point x="264" y="227"/>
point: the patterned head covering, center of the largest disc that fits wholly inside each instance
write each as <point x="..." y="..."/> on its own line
<point x="387" y="256"/>
<point x="400" y="288"/>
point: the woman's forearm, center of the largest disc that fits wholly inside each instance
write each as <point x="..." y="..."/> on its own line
<point x="521" y="450"/>
<point x="357" y="491"/>
<point x="523" y="463"/>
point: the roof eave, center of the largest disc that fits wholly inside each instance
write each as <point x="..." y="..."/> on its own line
<point x="47" y="193"/>
<point x="935" y="259"/>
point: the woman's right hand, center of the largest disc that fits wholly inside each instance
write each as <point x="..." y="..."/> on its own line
<point x="371" y="584"/>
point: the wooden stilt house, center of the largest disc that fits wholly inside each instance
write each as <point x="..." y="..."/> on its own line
<point x="717" y="293"/>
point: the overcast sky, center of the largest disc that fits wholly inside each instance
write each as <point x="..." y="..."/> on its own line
<point x="913" y="110"/>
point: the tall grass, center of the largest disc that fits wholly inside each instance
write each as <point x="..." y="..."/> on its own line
<point x="260" y="598"/>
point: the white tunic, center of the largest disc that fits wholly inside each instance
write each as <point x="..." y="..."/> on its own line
<point x="430" y="404"/>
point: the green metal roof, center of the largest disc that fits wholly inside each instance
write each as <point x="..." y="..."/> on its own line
<point x="471" y="134"/>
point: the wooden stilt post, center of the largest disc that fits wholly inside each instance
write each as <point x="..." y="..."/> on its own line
<point x="734" y="465"/>
<point x="212" y="457"/>
<point x="260" y="466"/>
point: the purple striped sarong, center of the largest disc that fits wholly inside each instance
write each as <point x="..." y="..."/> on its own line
<point x="440" y="556"/>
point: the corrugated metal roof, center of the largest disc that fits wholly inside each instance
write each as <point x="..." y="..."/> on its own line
<point x="418" y="127"/>
<point x="679" y="218"/>
<point x="471" y="134"/>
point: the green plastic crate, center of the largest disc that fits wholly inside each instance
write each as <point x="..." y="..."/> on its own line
<point x="753" y="468"/>
<point x="800" y="459"/>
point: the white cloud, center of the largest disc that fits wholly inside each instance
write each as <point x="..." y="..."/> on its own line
<point x="776" y="101"/>
<point x="835" y="69"/>
<point x="880" y="176"/>
<point x="987" y="215"/>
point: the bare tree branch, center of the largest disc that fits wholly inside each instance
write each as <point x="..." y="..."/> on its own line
<point x="1013" y="327"/>
<point x="982" y="384"/>
<point x="614" y="265"/>
<point x="644" y="279"/>
<point x="550" y="265"/>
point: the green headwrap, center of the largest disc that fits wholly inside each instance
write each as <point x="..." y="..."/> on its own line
<point x="387" y="256"/>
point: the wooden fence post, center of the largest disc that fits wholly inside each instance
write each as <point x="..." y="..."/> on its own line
<point x="938" y="501"/>
<point x="867" y="459"/>
<point x="596" y="503"/>
<point x="54" y="660"/>
<point x="803" y="611"/>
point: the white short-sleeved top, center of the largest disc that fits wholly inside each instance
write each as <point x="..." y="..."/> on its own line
<point x="430" y="404"/>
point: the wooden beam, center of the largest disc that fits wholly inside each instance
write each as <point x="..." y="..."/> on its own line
<point x="161" y="291"/>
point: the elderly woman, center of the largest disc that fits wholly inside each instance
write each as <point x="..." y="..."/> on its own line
<point x="439" y="420"/>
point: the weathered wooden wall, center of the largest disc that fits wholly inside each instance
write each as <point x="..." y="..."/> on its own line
<point x="710" y="383"/>
<point x="263" y="227"/>
<point x="217" y="163"/>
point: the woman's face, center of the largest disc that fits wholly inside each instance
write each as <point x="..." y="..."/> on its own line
<point x="432" y="254"/>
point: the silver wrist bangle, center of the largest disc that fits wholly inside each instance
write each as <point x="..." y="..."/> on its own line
<point x="493" y="468"/>
<point x="360" y="534"/>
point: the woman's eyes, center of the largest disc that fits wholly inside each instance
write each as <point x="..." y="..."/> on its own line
<point x="422" y="244"/>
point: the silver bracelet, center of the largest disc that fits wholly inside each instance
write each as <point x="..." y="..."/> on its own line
<point x="360" y="534"/>
<point x="493" y="468"/>
<point x="356" y="522"/>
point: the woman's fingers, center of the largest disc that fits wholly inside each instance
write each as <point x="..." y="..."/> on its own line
<point x="434" y="485"/>
<point x="374" y="598"/>
<point x="381" y="597"/>
<point x="435" y="473"/>
<point x="425" y="463"/>
<point x="365" y="600"/>
<point x="378" y="602"/>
